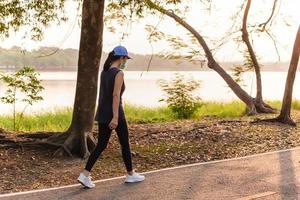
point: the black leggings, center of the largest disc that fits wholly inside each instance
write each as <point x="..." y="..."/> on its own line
<point x="103" y="138"/>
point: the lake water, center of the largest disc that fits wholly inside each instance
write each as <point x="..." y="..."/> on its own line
<point x="142" y="88"/>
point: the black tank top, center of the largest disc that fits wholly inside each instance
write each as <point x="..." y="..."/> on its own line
<point x="104" y="113"/>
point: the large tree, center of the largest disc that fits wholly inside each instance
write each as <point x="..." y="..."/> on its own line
<point x="35" y="16"/>
<point x="78" y="138"/>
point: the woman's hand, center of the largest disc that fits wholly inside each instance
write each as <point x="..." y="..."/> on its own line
<point x="113" y="123"/>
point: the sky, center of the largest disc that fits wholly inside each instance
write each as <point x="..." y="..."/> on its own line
<point x="212" y="26"/>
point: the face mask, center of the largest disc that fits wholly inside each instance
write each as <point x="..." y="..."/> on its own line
<point x="123" y="65"/>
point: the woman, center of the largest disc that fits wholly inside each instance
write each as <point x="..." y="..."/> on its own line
<point x="110" y="116"/>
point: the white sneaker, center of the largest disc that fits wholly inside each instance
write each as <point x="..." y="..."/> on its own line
<point x="85" y="181"/>
<point x="135" y="177"/>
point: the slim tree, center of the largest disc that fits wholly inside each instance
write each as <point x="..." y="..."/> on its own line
<point x="285" y="113"/>
<point x="261" y="106"/>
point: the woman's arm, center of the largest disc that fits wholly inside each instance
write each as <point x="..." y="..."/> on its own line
<point x="116" y="98"/>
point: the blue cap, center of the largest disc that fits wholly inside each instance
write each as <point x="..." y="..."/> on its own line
<point x="121" y="51"/>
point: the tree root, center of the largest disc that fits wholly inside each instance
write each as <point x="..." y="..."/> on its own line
<point x="6" y="140"/>
<point x="260" y="107"/>
<point x="69" y="142"/>
<point x="263" y="107"/>
<point x="286" y="121"/>
<point x="37" y="135"/>
<point x="62" y="146"/>
<point x="39" y="143"/>
<point x="72" y="143"/>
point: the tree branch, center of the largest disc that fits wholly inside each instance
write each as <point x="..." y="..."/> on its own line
<point x="170" y="13"/>
<point x="263" y="25"/>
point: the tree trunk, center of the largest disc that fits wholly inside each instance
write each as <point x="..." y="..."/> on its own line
<point x="284" y="115"/>
<point x="236" y="88"/>
<point x="261" y="106"/>
<point x="78" y="138"/>
<point x="252" y="106"/>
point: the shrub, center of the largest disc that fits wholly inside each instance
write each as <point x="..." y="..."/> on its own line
<point x="179" y="96"/>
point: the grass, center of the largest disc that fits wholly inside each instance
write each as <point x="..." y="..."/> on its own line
<point x="57" y="120"/>
<point x="60" y="119"/>
<point x="277" y="104"/>
<point x="142" y="114"/>
<point x="221" y="110"/>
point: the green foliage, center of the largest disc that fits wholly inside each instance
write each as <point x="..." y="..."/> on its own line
<point x="138" y="7"/>
<point x="180" y="96"/>
<point x="57" y="121"/>
<point x="143" y="114"/>
<point x="60" y="118"/>
<point x="126" y="12"/>
<point x="24" y="81"/>
<point x="239" y="70"/>
<point x="248" y="62"/>
<point x="183" y="48"/>
<point x="237" y="73"/>
<point x="277" y="104"/>
<point x="221" y="110"/>
<point x="32" y="14"/>
<point x="247" y="66"/>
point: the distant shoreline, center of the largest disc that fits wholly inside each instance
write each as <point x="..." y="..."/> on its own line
<point x="67" y="60"/>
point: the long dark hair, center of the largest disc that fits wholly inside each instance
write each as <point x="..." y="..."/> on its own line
<point x="110" y="59"/>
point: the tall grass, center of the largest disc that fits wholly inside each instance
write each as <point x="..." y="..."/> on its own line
<point x="57" y="120"/>
<point x="221" y="110"/>
<point x="60" y="118"/>
<point x="277" y="104"/>
<point x="142" y="114"/>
